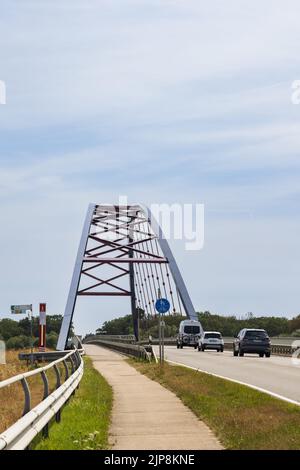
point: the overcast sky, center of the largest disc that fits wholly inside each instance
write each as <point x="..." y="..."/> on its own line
<point x="165" y="102"/>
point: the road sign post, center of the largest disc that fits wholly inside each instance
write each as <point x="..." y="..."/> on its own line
<point x="162" y="306"/>
<point x="29" y="313"/>
<point x="42" y="328"/>
<point x="159" y="339"/>
<point x="25" y="309"/>
<point x="162" y="326"/>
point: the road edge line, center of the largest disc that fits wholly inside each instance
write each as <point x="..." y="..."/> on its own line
<point x="254" y="387"/>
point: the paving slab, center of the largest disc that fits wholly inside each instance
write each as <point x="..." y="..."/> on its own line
<point x="146" y="415"/>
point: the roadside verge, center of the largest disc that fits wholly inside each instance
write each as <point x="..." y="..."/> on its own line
<point x="241" y="417"/>
<point x="146" y="415"/>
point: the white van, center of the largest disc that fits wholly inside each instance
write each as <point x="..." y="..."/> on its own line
<point x="189" y="333"/>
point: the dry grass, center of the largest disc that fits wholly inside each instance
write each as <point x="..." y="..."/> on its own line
<point x="241" y="417"/>
<point x="12" y="397"/>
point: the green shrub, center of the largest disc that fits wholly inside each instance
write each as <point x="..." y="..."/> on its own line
<point x="51" y="340"/>
<point x="18" y="342"/>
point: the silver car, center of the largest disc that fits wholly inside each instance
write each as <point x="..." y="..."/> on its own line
<point x="211" y="340"/>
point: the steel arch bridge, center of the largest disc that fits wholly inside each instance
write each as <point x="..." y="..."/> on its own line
<point x="123" y="252"/>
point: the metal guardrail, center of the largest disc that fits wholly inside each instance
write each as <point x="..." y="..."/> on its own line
<point x="276" y="349"/>
<point x="276" y="340"/>
<point x="49" y="356"/>
<point x="36" y="357"/>
<point x="282" y="350"/>
<point x="134" y="350"/>
<point x="20" y="434"/>
<point x="128" y="339"/>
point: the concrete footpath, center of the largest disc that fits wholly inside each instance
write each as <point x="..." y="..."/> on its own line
<point x="145" y="415"/>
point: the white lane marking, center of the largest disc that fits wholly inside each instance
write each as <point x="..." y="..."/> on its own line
<point x="259" y="389"/>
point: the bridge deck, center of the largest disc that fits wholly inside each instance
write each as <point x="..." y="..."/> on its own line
<point x="146" y="415"/>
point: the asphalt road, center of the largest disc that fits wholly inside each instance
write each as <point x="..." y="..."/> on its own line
<point x="275" y="374"/>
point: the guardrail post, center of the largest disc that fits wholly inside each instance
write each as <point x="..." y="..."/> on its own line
<point x="58" y="382"/>
<point x="46" y="384"/>
<point x="66" y="369"/>
<point x="72" y="365"/>
<point x="78" y="362"/>
<point x="27" y="402"/>
<point x="45" y="430"/>
<point x="73" y="368"/>
<point x="78" y="357"/>
<point x="75" y="356"/>
<point x="58" y="416"/>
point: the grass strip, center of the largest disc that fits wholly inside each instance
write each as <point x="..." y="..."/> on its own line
<point x="242" y="418"/>
<point x="85" y="418"/>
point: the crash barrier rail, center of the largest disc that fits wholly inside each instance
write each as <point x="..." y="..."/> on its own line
<point x="283" y="350"/>
<point x="276" y="349"/>
<point x="128" y="339"/>
<point x="33" y="421"/>
<point x="49" y="356"/>
<point x="36" y="357"/>
<point x="134" y="350"/>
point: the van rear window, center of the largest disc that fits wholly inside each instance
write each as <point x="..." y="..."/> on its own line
<point x="192" y="329"/>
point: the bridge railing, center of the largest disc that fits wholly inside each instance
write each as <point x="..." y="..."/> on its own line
<point x="134" y="350"/>
<point x="127" y="339"/>
<point x="276" y="349"/>
<point x="50" y="356"/>
<point x="33" y="421"/>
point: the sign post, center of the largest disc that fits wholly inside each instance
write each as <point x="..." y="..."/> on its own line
<point x="42" y="328"/>
<point x="29" y="313"/>
<point x="25" y="310"/>
<point x="162" y="306"/>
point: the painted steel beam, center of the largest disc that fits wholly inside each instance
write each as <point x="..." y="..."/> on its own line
<point x="69" y="310"/>
<point x="124" y="260"/>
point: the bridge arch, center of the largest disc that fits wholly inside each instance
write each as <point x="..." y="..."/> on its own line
<point x="120" y="243"/>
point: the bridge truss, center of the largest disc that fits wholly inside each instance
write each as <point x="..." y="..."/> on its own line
<point x="123" y="252"/>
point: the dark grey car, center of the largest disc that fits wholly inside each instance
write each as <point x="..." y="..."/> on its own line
<point x="252" y="341"/>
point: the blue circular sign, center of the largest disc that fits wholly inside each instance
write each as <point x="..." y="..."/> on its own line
<point x="162" y="305"/>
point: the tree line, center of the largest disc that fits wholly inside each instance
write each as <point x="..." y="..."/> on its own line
<point x="16" y="334"/>
<point x="227" y="325"/>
